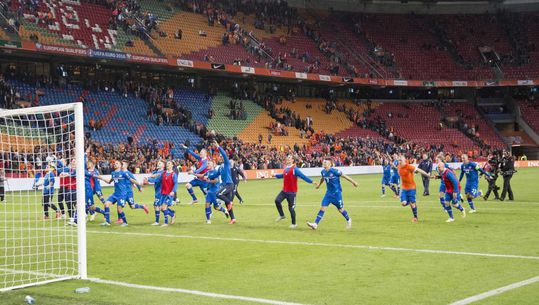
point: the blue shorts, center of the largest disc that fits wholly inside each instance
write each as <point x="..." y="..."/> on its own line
<point x="386" y="180"/>
<point x="449" y="198"/>
<point x="157" y="200"/>
<point x="89" y="199"/>
<point x="199" y="183"/>
<point x="130" y="199"/>
<point x="166" y="200"/>
<point x="395" y="179"/>
<point x="117" y="199"/>
<point x="211" y="197"/>
<point x="442" y="187"/>
<point x="335" y="199"/>
<point x="472" y="189"/>
<point x="408" y="196"/>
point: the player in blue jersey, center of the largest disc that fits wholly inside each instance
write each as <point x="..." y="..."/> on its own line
<point x="333" y="195"/>
<point x="201" y="168"/>
<point x="386" y="178"/>
<point x="48" y="192"/>
<point x="118" y="176"/>
<point x="471" y="170"/>
<point x="130" y="199"/>
<point x="90" y="183"/>
<point x="157" y="188"/>
<point x="395" y="178"/>
<point x="226" y="191"/>
<point x="214" y="184"/>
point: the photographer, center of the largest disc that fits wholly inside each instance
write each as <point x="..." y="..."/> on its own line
<point x="491" y="167"/>
<point x="507" y="169"/>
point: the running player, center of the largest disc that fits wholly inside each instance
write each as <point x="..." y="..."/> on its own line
<point x="226" y="191"/>
<point x="237" y="172"/>
<point x="201" y="168"/>
<point x="408" y="191"/>
<point x="290" y="188"/>
<point x="386" y="178"/>
<point x="333" y="194"/>
<point x="129" y="191"/>
<point x="118" y="176"/>
<point x="157" y="188"/>
<point x="452" y="190"/>
<point x="471" y="170"/>
<point x="48" y="192"/>
<point x="214" y="183"/>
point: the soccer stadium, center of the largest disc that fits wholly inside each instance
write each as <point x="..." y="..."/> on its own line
<point x="269" y="152"/>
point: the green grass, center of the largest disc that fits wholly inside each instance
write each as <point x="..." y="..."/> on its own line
<point x="234" y="260"/>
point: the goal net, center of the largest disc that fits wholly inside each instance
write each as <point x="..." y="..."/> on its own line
<point x="41" y="190"/>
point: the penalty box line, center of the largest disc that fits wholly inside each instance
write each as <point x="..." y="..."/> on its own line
<point x="496" y="291"/>
<point x="315" y="244"/>
<point x="193" y="292"/>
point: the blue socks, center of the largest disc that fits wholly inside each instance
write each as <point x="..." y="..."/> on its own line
<point x="157" y="214"/>
<point x="383" y="189"/>
<point x="449" y="211"/>
<point x="394" y="190"/>
<point x="122" y="217"/>
<point x="470" y="202"/>
<point x="99" y="210"/>
<point x="319" y="216"/>
<point x="138" y="206"/>
<point x="107" y="214"/>
<point x="457" y="205"/>
<point x="222" y="210"/>
<point x="192" y="193"/>
<point x="208" y="213"/>
<point x="414" y="209"/>
<point x="345" y="215"/>
<point x="165" y="212"/>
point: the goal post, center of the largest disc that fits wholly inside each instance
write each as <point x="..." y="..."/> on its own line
<point x="42" y="167"/>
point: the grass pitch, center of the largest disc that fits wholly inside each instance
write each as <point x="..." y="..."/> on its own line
<point x="379" y="261"/>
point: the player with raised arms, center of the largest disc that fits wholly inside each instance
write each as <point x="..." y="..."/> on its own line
<point x="201" y="168"/>
<point x="332" y="177"/>
<point x="471" y="189"/>
<point x="226" y="191"/>
<point x="118" y="176"/>
<point x="214" y="184"/>
<point x="290" y="188"/>
<point x="452" y="190"/>
<point x="408" y="190"/>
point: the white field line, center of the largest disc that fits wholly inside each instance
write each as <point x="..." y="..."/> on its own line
<point x="194" y="292"/>
<point x="496" y="291"/>
<point x="315" y="244"/>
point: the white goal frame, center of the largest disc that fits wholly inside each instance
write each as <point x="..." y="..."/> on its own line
<point x="77" y="109"/>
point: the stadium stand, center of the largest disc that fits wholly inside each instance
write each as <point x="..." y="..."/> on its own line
<point x="474" y="120"/>
<point x="530" y="113"/>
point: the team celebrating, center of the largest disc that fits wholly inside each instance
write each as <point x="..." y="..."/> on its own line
<point x="219" y="180"/>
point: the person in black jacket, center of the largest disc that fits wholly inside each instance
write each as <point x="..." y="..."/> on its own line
<point x="237" y="172"/>
<point x="426" y="165"/>
<point x="507" y="169"/>
<point x="491" y="167"/>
